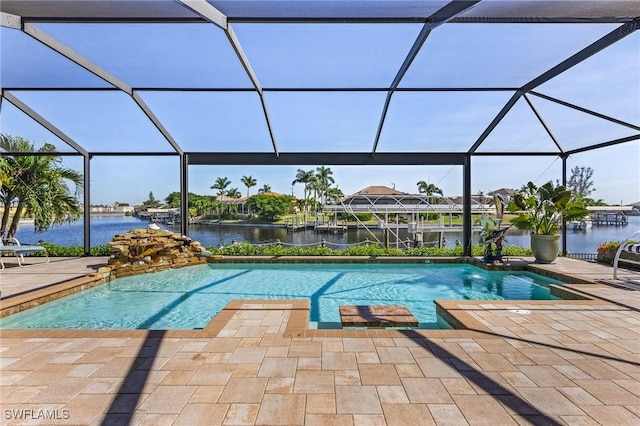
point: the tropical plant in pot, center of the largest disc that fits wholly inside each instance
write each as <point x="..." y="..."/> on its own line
<point x="541" y="211"/>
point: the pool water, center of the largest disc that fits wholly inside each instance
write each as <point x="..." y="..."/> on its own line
<point x="189" y="298"/>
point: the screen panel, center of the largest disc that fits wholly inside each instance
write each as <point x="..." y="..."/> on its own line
<point x="496" y="55"/>
<point x="325" y="121"/>
<point x="326" y="55"/>
<point x="438" y="121"/>
<point x="98" y="121"/>
<point x="157" y="55"/>
<point x="212" y="121"/>
<point x="27" y="63"/>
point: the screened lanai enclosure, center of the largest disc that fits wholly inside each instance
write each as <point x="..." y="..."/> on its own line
<point x="266" y="84"/>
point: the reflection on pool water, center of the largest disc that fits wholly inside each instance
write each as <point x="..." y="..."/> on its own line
<point x="189" y="298"/>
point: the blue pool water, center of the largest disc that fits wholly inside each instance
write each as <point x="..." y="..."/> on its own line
<point x="190" y="297"/>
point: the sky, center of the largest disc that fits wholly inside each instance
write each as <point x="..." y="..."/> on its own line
<point x="328" y="56"/>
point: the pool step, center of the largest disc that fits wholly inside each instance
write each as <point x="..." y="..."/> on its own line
<point x="377" y="316"/>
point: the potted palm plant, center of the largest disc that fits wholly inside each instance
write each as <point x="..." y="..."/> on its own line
<point x="540" y="210"/>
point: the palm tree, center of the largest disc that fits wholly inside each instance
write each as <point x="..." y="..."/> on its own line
<point x="265" y="188"/>
<point x="248" y="181"/>
<point x="218" y="206"/>
<point x="315" y="185"/>
<point x="333" y="195"/>
<point x="173" y="200"/>
<point x="151" y="202"/>
<point x="428" y="189"/>
<point x="198" y="204"/>
<point x="591" y="202"/>
<point x="304" y="177"/>
<point x="221" y="185"/>
<point x="37" y="185"/>
<point x="233" y="193"/>
<point x="325" y="179"/>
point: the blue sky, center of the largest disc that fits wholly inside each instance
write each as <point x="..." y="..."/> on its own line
<point x="324" y="55"/>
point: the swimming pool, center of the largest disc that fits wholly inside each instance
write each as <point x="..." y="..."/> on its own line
<point x="189" y="298"/>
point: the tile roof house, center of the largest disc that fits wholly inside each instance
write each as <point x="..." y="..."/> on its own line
<point x="378" y="190"/>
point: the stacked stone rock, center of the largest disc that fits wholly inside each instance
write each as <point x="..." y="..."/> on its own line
<point x="149" y="250"/>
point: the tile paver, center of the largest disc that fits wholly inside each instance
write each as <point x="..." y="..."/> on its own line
<point x="482" y="410"/>
<point x="447" y="414"/>
<point x="196" y="414"/>
<point x="404" y="414"/>
<point x="357" y="400"/>
<point x="574" y="362"/>
<point x="379" y="374"/>
<point x="427" y="391"/>
<point x="328" y="420"/>
<point x="324" y="403"/>
<point x="278" y="409"/>
<point x="314" y="382"/>
<point x="243" y="390"/>
<point x="392" y="395"/>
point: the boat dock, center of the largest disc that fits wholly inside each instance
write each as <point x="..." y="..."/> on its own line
<point x="295" y="227"/>
<point x="617" y="219"/>
<point x="298" y="223"/>
<point x="330" y="227"/>
<point x="319" y="226"/>
<point x="609" y="215"/>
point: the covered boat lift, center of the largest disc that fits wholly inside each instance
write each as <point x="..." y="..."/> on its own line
<point x="382" y="202"/>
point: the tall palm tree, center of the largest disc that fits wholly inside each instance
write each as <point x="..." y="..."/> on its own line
<point x="37" y="185"/>
<point x="428" y="188"/>
<point x="325" y="179"/>
<point x="248" y="181"/>
<point x="315" y="185"/>
<point x="221" y="185"/>
<point x="265" y="188"/>
<point x="304" y="177"/>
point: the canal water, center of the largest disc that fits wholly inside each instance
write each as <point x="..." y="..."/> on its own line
<point x="103" y="228"/>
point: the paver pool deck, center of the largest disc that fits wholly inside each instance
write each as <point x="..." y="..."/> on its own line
<point x="556" y="362"/>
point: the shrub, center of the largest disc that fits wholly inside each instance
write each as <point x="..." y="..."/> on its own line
<point x="371" y="250"/>
<point x="309" y="251"/>
<point x="75" y="250"/>
<point x="607" y="253"/>
<point x="103" y="250"/>
<point x="270" y="206"/>
<point x="242" y="249"/>
<point x="514" y="251"/>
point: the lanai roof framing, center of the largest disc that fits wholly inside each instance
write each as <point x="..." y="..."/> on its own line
<point x="26" y="15"/>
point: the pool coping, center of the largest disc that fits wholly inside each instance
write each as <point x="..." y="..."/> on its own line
<point x="298" y="325"/>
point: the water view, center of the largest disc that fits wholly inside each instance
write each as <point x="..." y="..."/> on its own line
<point x="103" y="228"/>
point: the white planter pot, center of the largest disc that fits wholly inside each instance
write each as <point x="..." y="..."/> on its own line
<point x="545" y="247"/>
